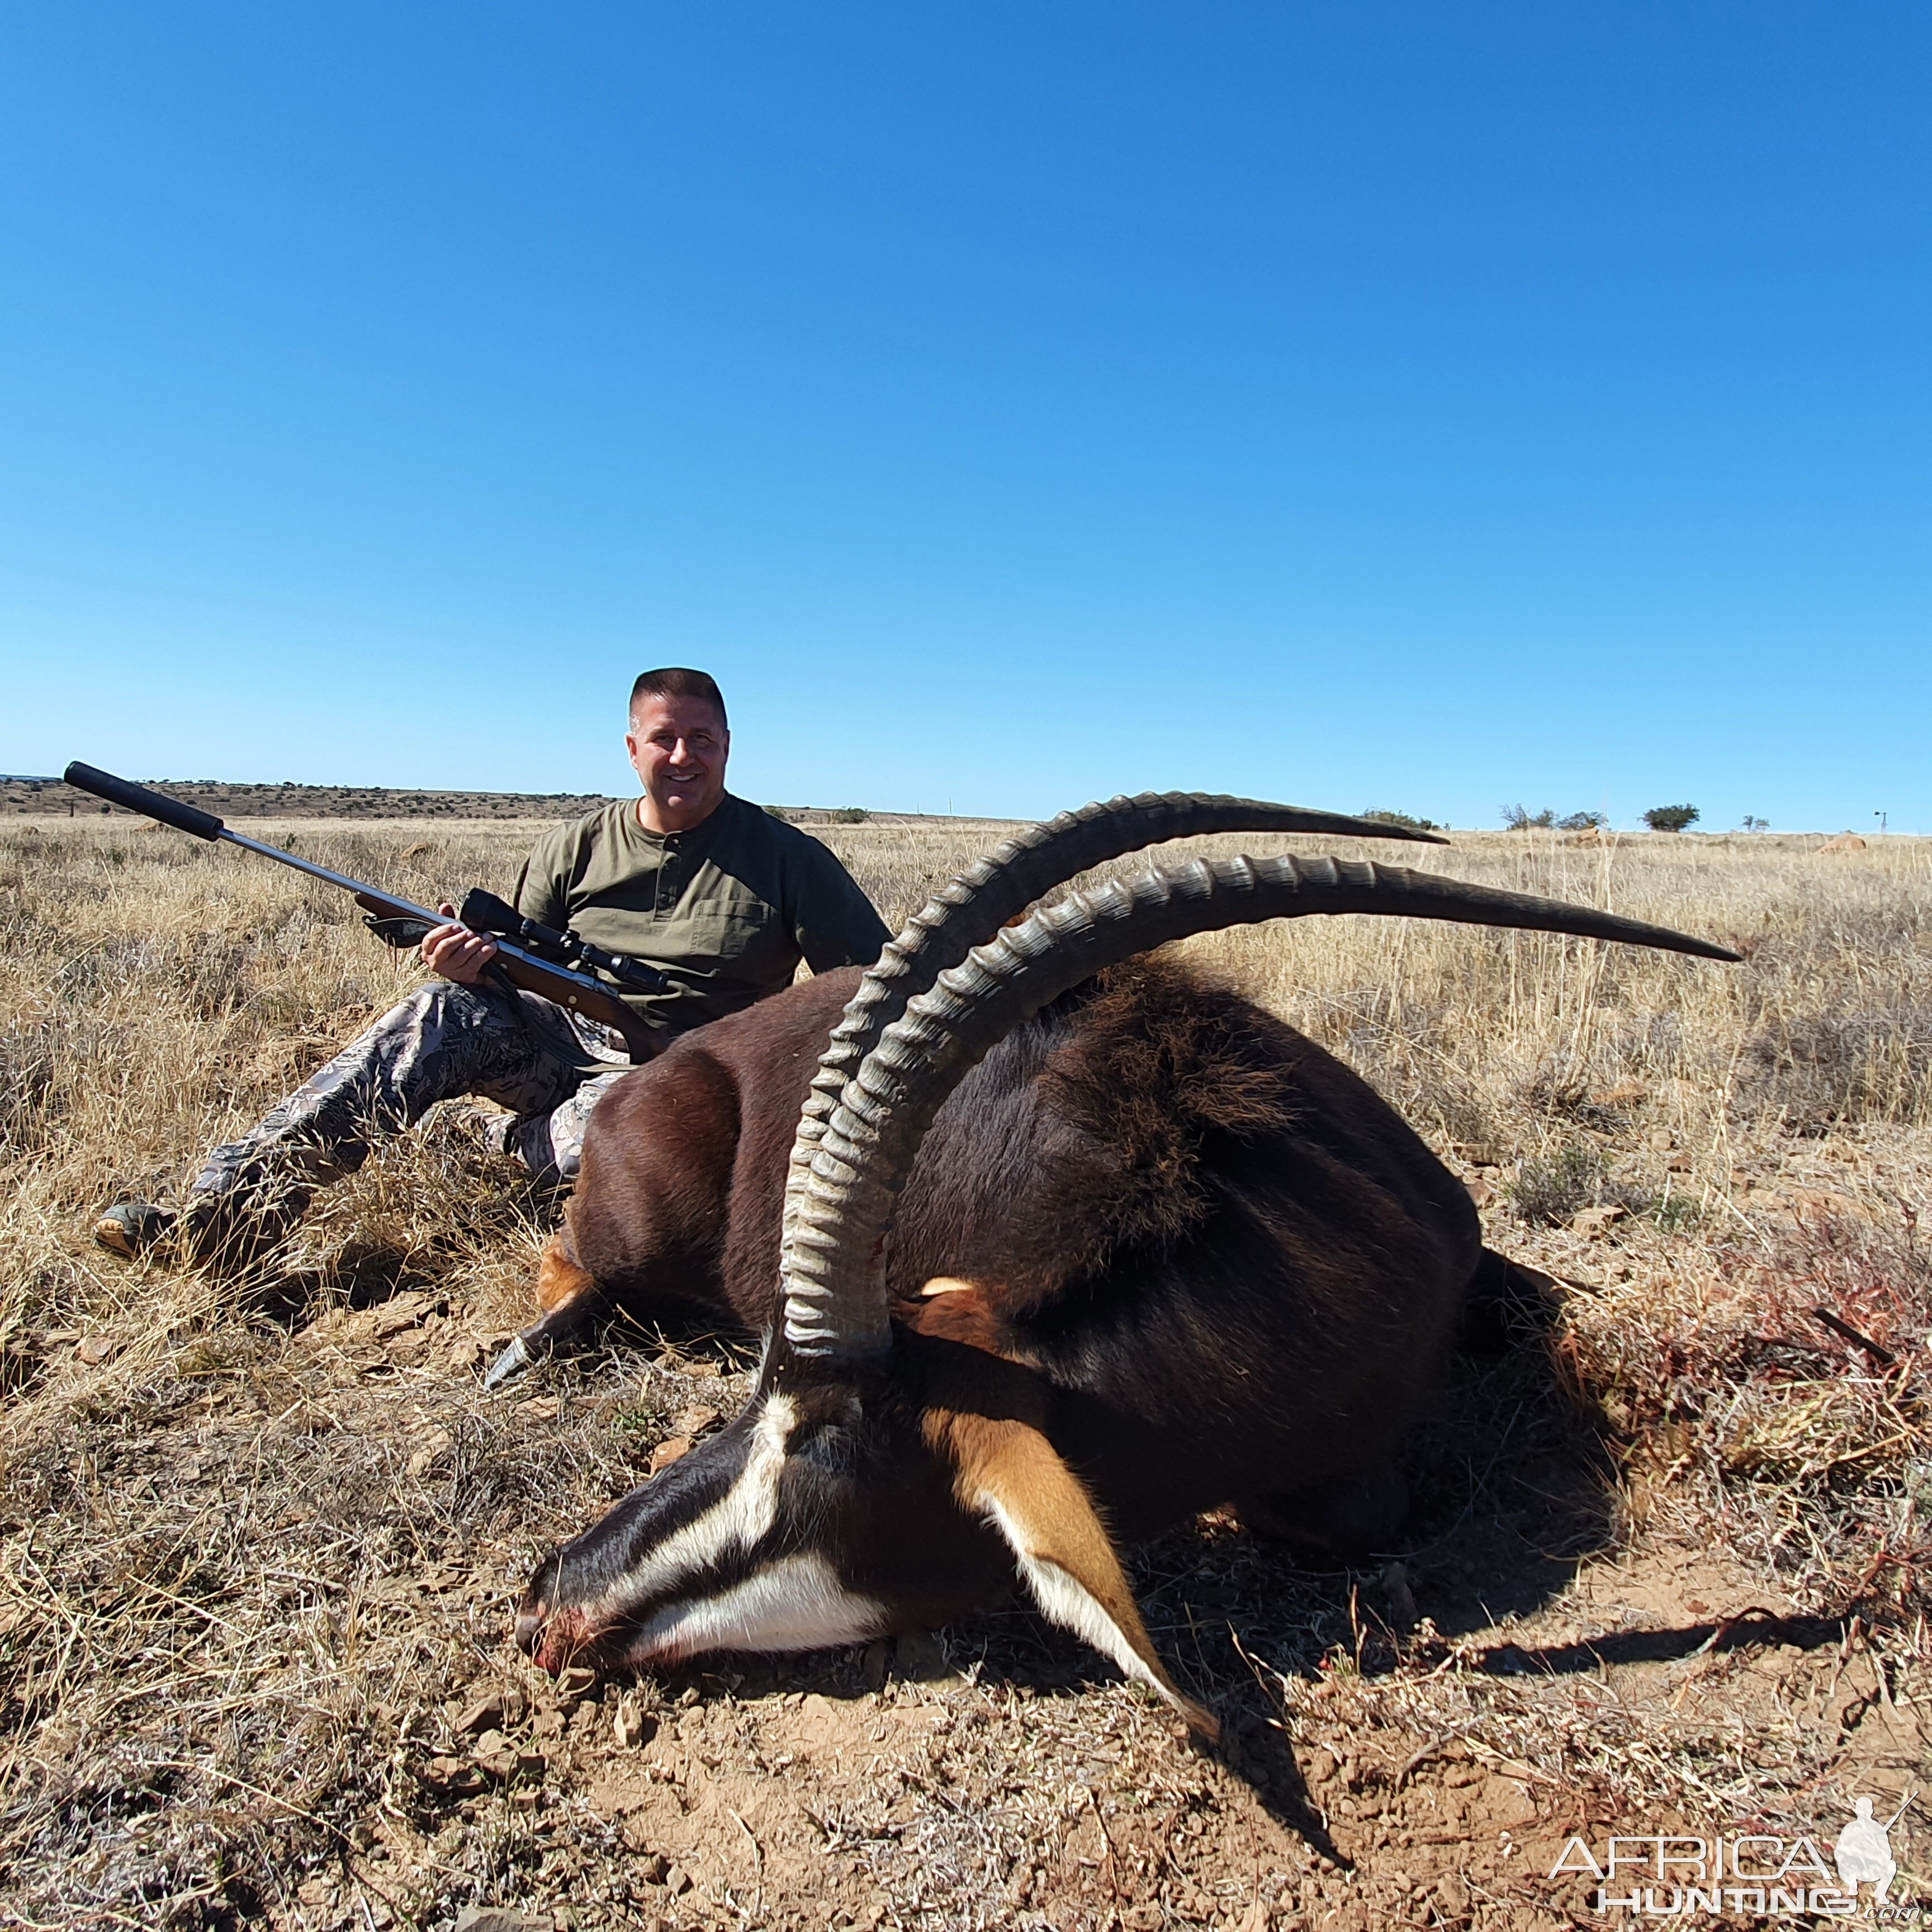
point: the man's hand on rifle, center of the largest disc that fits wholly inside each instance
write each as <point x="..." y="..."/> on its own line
<point x="453" y="952"/>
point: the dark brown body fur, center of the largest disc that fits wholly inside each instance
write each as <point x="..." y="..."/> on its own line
<point x="1234" y="1265"/>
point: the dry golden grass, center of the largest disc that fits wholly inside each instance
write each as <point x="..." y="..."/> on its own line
<point x="259" y="1538"/>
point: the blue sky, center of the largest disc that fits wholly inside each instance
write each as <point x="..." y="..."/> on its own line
<point x="1355" y="404"/>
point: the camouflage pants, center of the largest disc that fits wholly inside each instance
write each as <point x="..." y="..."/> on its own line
<point x="443" y="1042"/>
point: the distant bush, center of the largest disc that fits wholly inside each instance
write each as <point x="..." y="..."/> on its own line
<point x="1670" y="817"/>
<point x="1380" y="817"/>
<point x="1677" y="1214"/>
<point x="1584" y="821"/>
<point x="1550" y="1190"/>
<point x="850" y="815"/>
<point x="1520" y="818"/>
<point x="778" y="812"/>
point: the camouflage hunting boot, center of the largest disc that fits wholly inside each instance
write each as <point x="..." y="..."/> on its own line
<point x="216" y="1230"/>
<point x="133" y="1228"/>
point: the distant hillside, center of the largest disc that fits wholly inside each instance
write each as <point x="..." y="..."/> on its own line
<point x="22" y="796"/>
<point x="300" y="801"/>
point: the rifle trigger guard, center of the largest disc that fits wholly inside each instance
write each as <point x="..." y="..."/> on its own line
<point x="404" y="934"/>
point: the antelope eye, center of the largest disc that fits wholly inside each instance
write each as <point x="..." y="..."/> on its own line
<point x="829" y="1448"/>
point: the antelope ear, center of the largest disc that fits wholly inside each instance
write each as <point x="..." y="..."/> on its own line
<point x="1008" y="1473"/>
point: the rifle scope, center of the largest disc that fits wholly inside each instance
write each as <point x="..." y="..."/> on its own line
<point x="484" y="912"/>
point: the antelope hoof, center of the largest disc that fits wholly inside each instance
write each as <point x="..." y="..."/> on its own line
<point x="516" y="1361"/>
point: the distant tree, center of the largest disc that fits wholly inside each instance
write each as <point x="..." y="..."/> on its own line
<point x="1520" y="818"/>
<point x="850" y="815"/>
<point x="1751" y="824"/>
<point x="1583" y="821"/>
<point x="1378" y="817"/>
<point x="1670" y="817"/>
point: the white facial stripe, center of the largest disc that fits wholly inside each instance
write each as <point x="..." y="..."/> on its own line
<point x="1069" y="1603"/>
<point x="797" y="1603"/>
<point x="745" y="1512"/>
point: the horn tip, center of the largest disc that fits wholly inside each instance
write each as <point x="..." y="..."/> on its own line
<point x="1202" y="1721"/>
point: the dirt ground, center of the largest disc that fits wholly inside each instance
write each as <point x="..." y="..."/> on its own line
<point x="260" y="1540"/>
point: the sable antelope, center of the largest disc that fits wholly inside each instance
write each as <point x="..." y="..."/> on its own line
<point x="1070" y="1246"/>
<point x="647" y="1230"/>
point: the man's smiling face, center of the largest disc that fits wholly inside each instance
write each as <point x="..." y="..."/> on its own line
<point x="678" y="747"/>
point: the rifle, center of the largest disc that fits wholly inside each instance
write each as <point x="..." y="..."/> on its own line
<point x="537" y="958"/>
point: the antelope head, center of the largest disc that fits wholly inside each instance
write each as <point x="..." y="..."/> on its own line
<point x="882" y="1478"/>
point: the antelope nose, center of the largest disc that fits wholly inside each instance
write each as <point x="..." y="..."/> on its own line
<point x="529" y="1629"/>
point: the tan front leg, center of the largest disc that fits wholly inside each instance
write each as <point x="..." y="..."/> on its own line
<point x="561" y="1277"/>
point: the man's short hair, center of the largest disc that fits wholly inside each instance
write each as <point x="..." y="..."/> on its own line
<point x="674" y="681"/>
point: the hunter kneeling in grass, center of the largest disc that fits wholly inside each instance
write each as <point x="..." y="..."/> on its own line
<point x="723" y="898"/>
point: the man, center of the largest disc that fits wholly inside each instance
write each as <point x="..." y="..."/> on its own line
<point x="720" y="896"/>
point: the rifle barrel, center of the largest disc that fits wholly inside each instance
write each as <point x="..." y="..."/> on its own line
<point x="191" y="819"/>
<point x="407" y="907"/>
<point x="561" y="983"/>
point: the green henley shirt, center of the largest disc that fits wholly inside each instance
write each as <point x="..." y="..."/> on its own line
<point x="727" y="909"/>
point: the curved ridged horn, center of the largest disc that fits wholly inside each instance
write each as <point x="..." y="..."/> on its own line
<point x="834" y="1297"/>
<point x="971" y="908"/>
